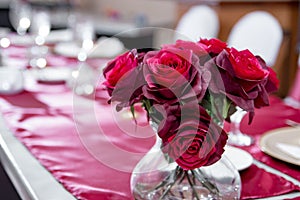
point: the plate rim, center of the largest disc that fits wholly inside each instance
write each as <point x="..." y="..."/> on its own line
<point x="264" y="147"/>
<point x="58" y="49"/>
<point x="42" y="78"/>
<point x="251" y="159"/>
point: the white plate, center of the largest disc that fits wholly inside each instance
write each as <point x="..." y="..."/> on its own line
<point x="238" y="157"/>
<point x="103" y="48"/>
<point x="53" y="74"/>
<point x="63" y="35"/>
<point x="22" y="40"/>
<point x="279" y="143"/>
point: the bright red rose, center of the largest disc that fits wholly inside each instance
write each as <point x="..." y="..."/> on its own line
<point x="197" y="48"/>
<point x="246" y="66"/>
<point x="213" y="46"/>
<point x="197" y="142"/>
<point x="119" y="66"/>
<point x="167" y="66"/>
<point x="174" y="74"/>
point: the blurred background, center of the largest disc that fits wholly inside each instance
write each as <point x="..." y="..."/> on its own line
<point x="111" y="17"/>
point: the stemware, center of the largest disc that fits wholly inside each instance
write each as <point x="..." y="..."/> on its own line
<point x="83" y="33"/>
<point x="236" y="137"/>
<point x="83" y="77"/>
<point x="40" y="29"/>
<point x="20" y="16"/>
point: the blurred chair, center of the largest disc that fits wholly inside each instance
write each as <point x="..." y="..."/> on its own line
<point x="199" y="21"/>
<point x="293" y="97"/>
<point x="260" y="32"/>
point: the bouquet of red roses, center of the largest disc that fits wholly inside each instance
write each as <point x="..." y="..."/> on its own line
<point x="189" y="89"/>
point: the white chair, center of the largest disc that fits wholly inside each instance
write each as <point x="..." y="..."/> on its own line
<point x="293" y="97"/>
<point x="260" y="32"/>
<point x="199" y="21"/>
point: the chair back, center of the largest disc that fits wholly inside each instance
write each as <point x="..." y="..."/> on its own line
<point x="200" y="21"/>
<point x="260" y="32"/>
<point x="293" y="98"/>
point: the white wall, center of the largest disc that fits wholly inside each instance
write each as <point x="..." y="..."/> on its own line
<point x="158" y="12"/>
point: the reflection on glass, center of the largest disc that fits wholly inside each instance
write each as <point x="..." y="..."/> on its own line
<point x="82" y="26"/>
<point x="236" y="137"/>
<point x="20" y="16"/>
<point x="40" y="29"/>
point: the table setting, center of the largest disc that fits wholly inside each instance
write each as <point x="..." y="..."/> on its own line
<point x="89" y="150"/>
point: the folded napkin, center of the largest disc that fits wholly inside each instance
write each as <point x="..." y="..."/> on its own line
<point x="263" y="184"/>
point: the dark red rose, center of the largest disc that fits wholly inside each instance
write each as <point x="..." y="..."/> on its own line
<point x="119" y="66"/>
<point x="197" y="142"/>
<point x="241" y="77"/>
<point x="213" y="46"/>
<point x="271" y="84"/>
<point x="173" y="75"/>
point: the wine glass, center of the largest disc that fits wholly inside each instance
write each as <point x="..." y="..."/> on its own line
<point x="20" y="16"/>
<point x="236" y="137"/>
<point x="40" y="28"/>
<point x="83" y="33"/>
<point x="83" y="78"/>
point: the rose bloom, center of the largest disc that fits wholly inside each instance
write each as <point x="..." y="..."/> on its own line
<point x="197" y="142"/>
<point x="173" y="75"/>
<point x="213" y="46"/>
<point x="197" y="48"/>
<point x="119" y="66"/>
<point x="246" y="67"/>
<point x="242" y="77"/>
<point x="124" y="79"/>
<point x="271" y="84"/>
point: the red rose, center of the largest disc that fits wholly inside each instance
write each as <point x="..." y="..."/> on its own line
<point x="197" y="48"/>
<point x="246" y="66"/>
<point x="119" y="66"/>
<point x="271" y="84"/>
<point x="197" y="142"/>
<point x="124" y="78"/>
<point x="240" y="76"/>
<point x="213" y="46"/>
<point x="172" y="74"/>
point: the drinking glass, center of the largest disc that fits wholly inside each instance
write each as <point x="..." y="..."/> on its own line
<point x="40" y="29"/>
<point x="82" y="26"/>
<point x="20" y="16"/>
<point x="236" y="137"/>
<point x="83" y="78"/>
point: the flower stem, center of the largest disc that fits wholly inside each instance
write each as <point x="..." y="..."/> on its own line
<point x="211" y="187"/>
<point x="174" y="178"/>
<point x="191" y="184"/>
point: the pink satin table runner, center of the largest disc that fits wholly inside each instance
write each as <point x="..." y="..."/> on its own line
<point x="47" y="129"/>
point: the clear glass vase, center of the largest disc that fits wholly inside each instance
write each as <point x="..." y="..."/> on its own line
<point x="157" y="177"/>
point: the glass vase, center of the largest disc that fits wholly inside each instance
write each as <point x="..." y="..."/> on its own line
<point x="157" y="177"/>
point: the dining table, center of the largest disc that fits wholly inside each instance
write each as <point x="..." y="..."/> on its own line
<point x="56" y="143"/>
